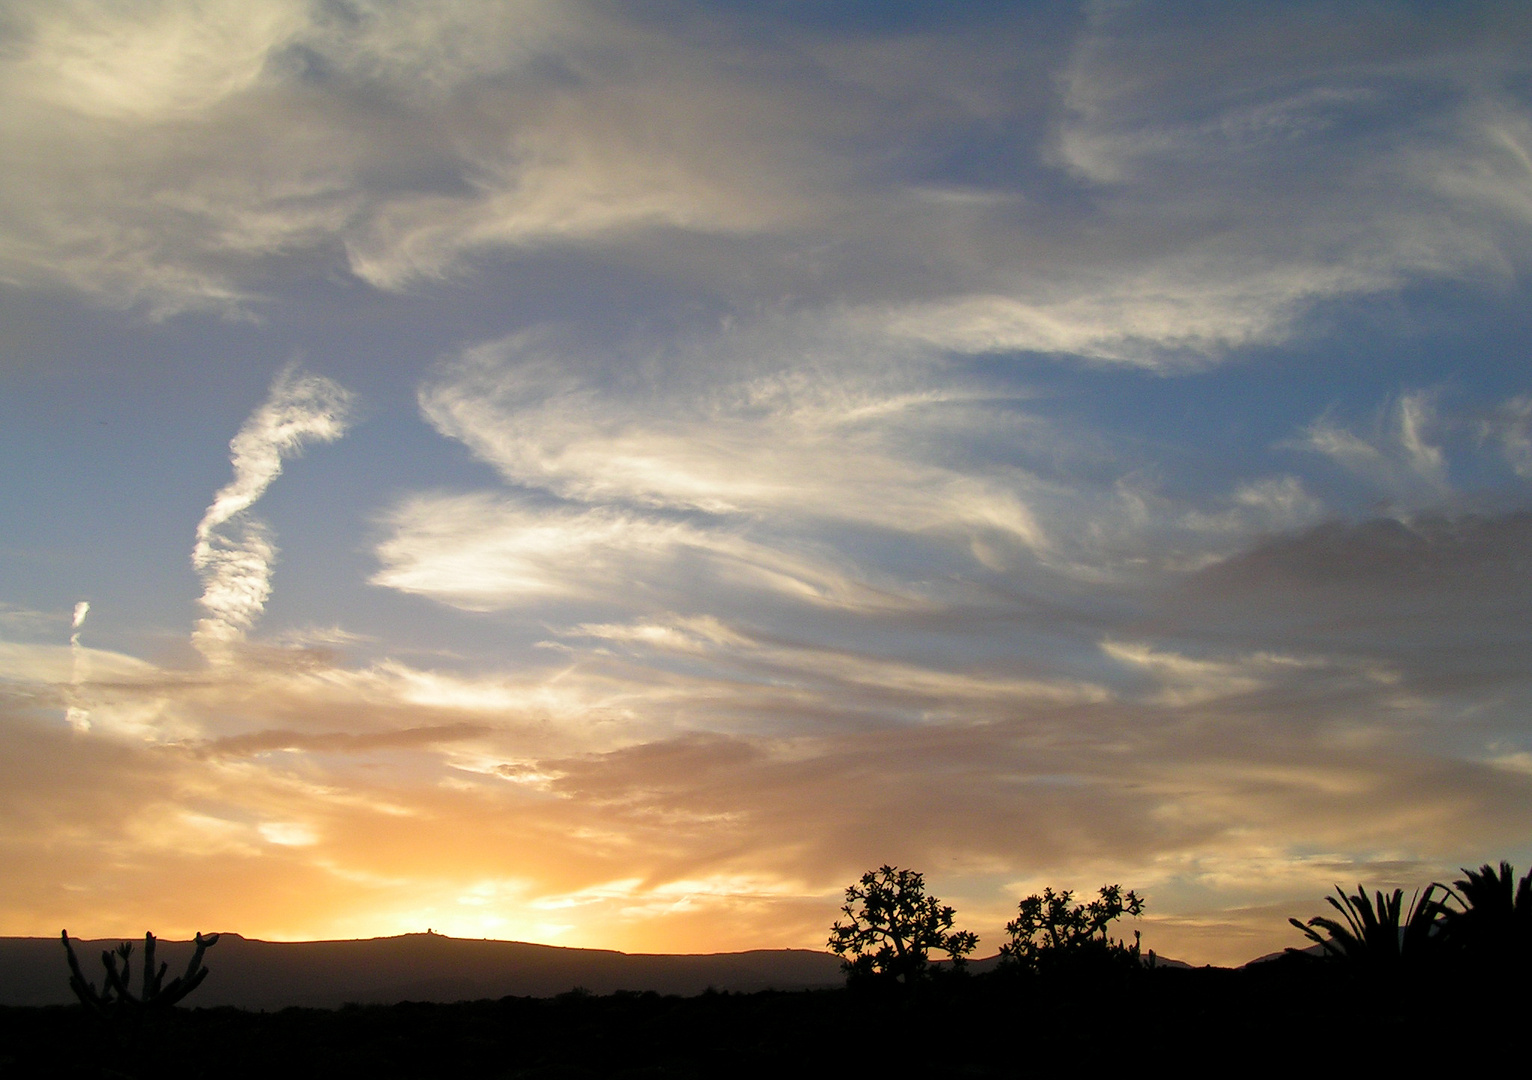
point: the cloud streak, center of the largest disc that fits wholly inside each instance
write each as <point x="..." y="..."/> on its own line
<point x="77" y="717"/>
<point x="233" y="553"/>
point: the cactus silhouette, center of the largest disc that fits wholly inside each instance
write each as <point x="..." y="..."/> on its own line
<point x="116" y="995"/>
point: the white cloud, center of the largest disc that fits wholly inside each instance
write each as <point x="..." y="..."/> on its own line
<point x="147" y="61"/>
<point x="56" y="664"/>
<point x="170" y="155"/>
<point x="433" y="49"/>
<point x="765" y="457"/>
<point x="236" y="570"/>
<point x="1185" y="680"/>
<point x="916" y="686"/>
<point x="1511" y="426"/>
<point x="1496" y="176"/>
<point x="789" y="444"/>
<point x="1281" y="501"/>
<point x="624" y="163"/>
<point x="15" y="619"/>
<point x="177" y="156"/>
<point x="1397" y="455"/>
<point x="1165" y="317"/>
<point x="1276" y="504"/>
<point x="78" y="718"/>
<point x="287" y="833"/>
<point x="1237" y="182"/>
<point x="481" y="552"/>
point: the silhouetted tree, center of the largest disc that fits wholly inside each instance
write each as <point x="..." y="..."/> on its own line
<point x="1050" y="930"/>
<point x="893" y="926"/>
<point x="1378" y="938"/>
<point x="1495" y="923"/>
<point x="116" y="997"/>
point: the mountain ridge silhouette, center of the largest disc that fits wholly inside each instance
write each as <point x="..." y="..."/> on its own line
<point x="250" y="973"/>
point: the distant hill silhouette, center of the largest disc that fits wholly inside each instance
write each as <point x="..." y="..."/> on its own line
<point x="1282" y="954"/>
<point x="254" y="974"/>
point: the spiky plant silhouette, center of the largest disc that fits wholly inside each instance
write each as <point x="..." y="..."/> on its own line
<point x="1495" y="920"/>
<point x="116" y="996"/>
<point x="1379" y="937"/>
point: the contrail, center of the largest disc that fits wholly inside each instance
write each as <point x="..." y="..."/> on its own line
<point x="236" y="570"/>
<point x="79" y="718"/>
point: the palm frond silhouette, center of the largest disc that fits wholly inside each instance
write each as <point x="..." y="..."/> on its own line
<point x="1495" y="920"/>
<point x="1379" y="934"/>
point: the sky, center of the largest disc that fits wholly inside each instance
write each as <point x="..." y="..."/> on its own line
<point x="609" y="474"/>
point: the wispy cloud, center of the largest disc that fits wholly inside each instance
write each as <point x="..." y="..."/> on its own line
<point x="744" y="442"/>
<point x="156" y="60"/>
<point x="78" y="718"/>
<point x="1511" y="426"/>
<point x="1397" y="455"/>
<point x="483" y="553"/>
<point x="342" y="741"/>
<point x="236" y="569"/>
<point x="1355" y="160"/>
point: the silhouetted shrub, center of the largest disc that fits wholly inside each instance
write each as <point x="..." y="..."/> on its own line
<point x="1052" y="933"/>
<point x="892" y="927"/>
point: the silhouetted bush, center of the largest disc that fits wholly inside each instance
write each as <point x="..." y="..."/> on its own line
<point x="892" y="927"/>
<point x="1052" y="933"/>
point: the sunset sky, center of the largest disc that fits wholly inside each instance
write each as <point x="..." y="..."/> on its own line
<point x="608" y="474"/>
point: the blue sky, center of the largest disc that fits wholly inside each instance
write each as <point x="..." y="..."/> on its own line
<point x="610" y="474"/>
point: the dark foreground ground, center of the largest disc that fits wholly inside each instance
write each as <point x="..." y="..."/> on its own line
<point x="1197" y="1022"/>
